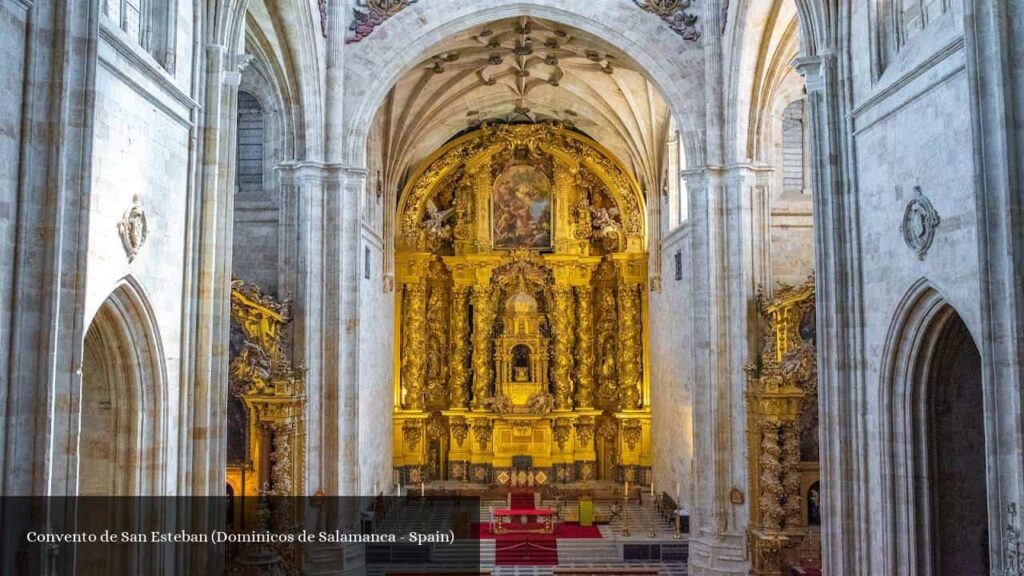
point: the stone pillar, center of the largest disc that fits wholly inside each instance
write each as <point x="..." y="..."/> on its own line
<point x="584" y="347"/>
<point x="483" y="319"/>
<point x="630" y="346"/>
<point x="459" y="385"/>
<point x="414" y="344"/>
<point x="564" y="337"/>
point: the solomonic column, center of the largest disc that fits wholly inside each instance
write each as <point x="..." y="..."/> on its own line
<point x="483" y="319"/>
<point x="791" y="474"/>
<point x="630" y="347"/>
<point x="564" y="336"/>
<point x="414" y="344"/>
<point x="584" y="348"/>
<point x="460" y="348"/>
<point x="770" y="499"/>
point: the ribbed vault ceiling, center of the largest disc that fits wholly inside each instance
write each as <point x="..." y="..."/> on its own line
<point x="524" y="69"/>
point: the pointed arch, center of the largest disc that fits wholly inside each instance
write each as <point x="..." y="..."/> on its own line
<point x="926" y="332"/>
<point x="123" y="401"/>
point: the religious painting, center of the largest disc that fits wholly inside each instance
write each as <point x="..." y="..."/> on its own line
<point x="521" y="209"/>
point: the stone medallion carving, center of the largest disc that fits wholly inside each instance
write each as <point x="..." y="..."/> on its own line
<point x="674" y="13"/>
<point x="919" y="223"/>
<point x="133" y="228"/>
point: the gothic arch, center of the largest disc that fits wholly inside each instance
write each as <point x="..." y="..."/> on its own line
<point x="673" y="65"/>
<point x="124" y="399"/>
<point x="913" y="367"/>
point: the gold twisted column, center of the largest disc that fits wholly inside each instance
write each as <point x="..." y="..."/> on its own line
<point x="629" y="346"/>
<point x="414" y="345"/>
<point x="483" y="318"/>
<point x="584" y="348"/>
<point x="281" y="457"/>
<point x="460" y="348"/>
<point x="770" y="499"/>
<point x="791" y="474"/>
<point x="564" y="336"/>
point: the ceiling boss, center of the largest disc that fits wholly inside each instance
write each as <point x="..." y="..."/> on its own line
<point x="521" y="313"/>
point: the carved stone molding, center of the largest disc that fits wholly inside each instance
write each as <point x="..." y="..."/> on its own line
<point x="133" y="228"/>
<point x="674" y="13"/>
<point x="919" y="223"/>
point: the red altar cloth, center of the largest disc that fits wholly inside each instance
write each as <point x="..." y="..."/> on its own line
<point x="524" y="512"/>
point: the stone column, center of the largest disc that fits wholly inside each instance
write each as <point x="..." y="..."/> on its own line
<point x="564" y="337"/>
<point x="414" y="344"/>
<point x="483" y="319"/>
<point x="584" y="347"/>
<point x="459" y="384"/>
<point x="630" y="346"/>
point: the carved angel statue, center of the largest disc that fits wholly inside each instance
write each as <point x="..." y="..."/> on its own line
<point x="540" y="403"/>
<point x="436" y="221"/>
<point x="604" y="219"/>
<point x="499" y="404"/>
<point x="250" y="369"/>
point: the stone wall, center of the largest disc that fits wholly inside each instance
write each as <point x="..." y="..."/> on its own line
<point x="141" y="149"/>
<point x="671" y="364"/>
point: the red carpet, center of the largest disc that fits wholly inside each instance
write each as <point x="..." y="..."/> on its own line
<point x="521" y="500"/>
<point x="526" y="550"/>
<point x="562" y="530"/>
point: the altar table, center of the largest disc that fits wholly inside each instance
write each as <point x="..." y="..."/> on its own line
<point x="537" y="520"/>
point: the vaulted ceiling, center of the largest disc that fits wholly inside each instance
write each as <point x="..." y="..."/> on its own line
<point x="524" y="69"/>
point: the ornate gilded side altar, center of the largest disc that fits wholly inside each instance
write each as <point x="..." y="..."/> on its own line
<point x="521" y="313"/>
<point x="266" y="410"/>
<point x="782" y="429"/>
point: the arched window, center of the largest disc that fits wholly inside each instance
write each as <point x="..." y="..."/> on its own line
<point x="249" y="171"/>
<point x="795" y="166"/>
<point x="148" y="23"/>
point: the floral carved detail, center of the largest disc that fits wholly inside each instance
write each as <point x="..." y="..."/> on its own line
<point x="368" y="14"/>
<point x="460" y="429"/>
<point x="413" y="432"/>
<point x="674" y="13"/>
<point x="561" y="430"/>
<point x="435" y="426"/>
<point x="585" y="430"/>
<point x="919" y="223"/>
<point x="631" y="432"/>
<point x="482" y="431"/>
<point x="133" y="228"/>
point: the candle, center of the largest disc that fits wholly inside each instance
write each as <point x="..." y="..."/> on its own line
<point x="677" y="493"/>
<point x="423" y="489"/>
<point x="627" y="487"/>
<point x="652" y="488"/>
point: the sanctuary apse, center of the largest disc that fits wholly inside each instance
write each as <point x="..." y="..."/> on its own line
<point x="521" y="313"/>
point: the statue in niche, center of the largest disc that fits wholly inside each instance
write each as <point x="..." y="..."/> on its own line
<point x="434" y="359"/>
<point x="521" y="364"/>
<point x="435" y="222"/>
<point x="606" y="223"/>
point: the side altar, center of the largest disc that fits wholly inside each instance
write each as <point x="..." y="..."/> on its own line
<point x="521" y="313"/>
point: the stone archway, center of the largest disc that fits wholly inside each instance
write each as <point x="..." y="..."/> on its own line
<point x="122" y="409"/>
<point x="935" y="507"/>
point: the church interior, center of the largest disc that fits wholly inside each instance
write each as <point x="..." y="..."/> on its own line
<point x="623" y="287"/>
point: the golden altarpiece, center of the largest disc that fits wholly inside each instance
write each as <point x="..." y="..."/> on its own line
<point x="266" y="404"/>
<point x="782" y="435"/>
<point x="521" y="310"/>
